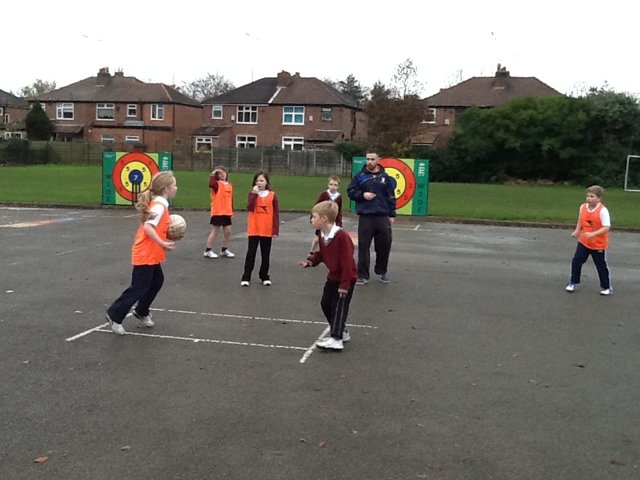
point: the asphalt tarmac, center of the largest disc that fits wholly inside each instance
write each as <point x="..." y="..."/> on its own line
<point x="473" y="363"/>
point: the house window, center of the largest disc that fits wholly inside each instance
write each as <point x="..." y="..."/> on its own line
<point x="216" y="112"/>
<point x="293" y="115"/>
<point x="1" y="112"/>
<point x="292" y="143"/>
<point x="247" y="114"/>
<point x="204" y="144"/>
<point x="105" y="111"/>
<point x="132" y="139"/>
<point x="64" y="111"/>
<point x="246" y="141"/>
<point x="430" y="116"/>
<point x="8" y="135"/>
<point x="325" y="114"/>
<point x="7" y="118"/>
<point x="132" y="110"/>
<point x="107" y="139"/>
<point x="157" y="111"/>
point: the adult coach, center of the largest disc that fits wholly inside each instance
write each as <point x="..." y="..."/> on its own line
<point x="374" y="193"/>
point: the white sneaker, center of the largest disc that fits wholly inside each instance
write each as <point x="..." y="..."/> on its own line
<point x="266" y="283"/>
<point x="146" y="320"/>
<point x="571" y="287"/>
<point x="116" y="327"/>
<point x="210" y="254"/>
<point x="227" y="254"/>
<point x="606" y="291"/>
<point x="346" y="337"/>
<point x="330" y="343"/>
<point x="244" y="283"/>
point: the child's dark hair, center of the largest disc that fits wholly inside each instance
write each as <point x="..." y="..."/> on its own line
<point x="224" y="169"/>
<point x="159" y="183"/>
<point x="265" y="174"/>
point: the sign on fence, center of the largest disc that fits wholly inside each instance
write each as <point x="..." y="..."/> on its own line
<point x="127" y="174"/>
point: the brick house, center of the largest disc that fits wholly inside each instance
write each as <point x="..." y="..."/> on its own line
<point x="444" y="108"/>
<point x="13" y="112"/>
<point x="122" y="111"/>
<point x="287" y="111"/>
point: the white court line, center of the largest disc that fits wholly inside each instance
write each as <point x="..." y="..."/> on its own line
<point x="205" y="340"/>
<point x="86" y="332"/>
<point x="310" y="350"/>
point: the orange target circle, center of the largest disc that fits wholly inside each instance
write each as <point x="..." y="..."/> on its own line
<point x="404" y="177"/>
<point x="132" y="174"/>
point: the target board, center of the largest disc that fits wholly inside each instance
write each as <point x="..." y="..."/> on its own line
<point x="412" y="182"/>
<point x="125" y="175"/>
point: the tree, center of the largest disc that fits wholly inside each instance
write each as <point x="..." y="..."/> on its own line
<point x="37" y="123"/>
<point x="349" y="86"/>
<point x="37" y="89"/>
<point x="404" y="82"/>
<point x="208" y="87"/>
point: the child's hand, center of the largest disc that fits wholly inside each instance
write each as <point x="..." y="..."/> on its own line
<point x="342" y="293"/>
<point x="304" y="263"/>
<point x="255" y="189"/>
<point x="574" y="234"/>
<point x="168" y="245"/>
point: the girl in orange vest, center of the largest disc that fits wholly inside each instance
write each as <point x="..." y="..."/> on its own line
<point x="263" y="222"/>
<point x="147" y="253"/>
<point x="592" y="232"/>
<point x="221" y="212"/>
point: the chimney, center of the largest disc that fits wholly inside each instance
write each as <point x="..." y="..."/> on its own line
<point x="501" y="80"/>
<point x="103" y="76"/>
<point x="284" y="79"/>
<point x="119" y="73"/>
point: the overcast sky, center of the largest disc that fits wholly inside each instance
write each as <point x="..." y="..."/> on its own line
<point x="570" y="45"/>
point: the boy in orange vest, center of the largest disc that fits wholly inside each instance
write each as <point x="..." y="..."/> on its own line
<point x="592" y="232"/>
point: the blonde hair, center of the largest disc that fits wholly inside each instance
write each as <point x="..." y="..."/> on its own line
<point x="597" y="190"/>
<point x="335" y="178"/>
<point x="159" y="183"/>
<point x="327" y="208"/>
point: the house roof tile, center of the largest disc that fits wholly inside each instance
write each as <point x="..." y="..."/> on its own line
<point x="490" y="91"/>
<point x="9" y="100"/>
<point x="117" y="88"/>
<point x="298" y="91"/>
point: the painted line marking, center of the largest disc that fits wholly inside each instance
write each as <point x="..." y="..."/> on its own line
<point x="310" y="350"/>
<point x="205" y="340"/>
<point x="86" y="332"/>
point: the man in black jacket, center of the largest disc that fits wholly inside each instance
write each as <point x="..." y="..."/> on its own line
<point x="374" y="193"/>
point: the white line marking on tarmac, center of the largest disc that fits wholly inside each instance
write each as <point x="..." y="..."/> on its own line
<point x="310" y="350"/>
<point x="87" y="332"/>
<point x="417" y="227"/>
<point x="206" y="340"/>
<point x="251" y="317"/>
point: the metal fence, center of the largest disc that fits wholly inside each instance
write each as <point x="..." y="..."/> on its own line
<point x="288" y="162"/>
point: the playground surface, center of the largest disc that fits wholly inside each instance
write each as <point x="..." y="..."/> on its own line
<point x="473" y="363"/>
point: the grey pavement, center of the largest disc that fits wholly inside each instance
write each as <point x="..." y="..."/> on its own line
<point x="473" y="363"/>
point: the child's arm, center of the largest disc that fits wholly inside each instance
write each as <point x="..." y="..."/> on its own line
<point x="150" y="230"/>
<point x="600" y="231"/>
<point x="213" y="181"/>
<point x="251" y="200"/>
<point x="576" y="232"/>
<point x="276" y="216"/>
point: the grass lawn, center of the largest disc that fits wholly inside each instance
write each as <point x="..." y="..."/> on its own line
<point x="82" y="185"/>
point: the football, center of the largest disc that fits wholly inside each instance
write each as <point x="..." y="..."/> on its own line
<point x="177" y="227"/>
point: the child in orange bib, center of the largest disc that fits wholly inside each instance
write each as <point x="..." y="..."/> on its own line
<point x="263" y="223"/>
<point x="592" y="232"/>
<point x="147" y="253"/>
<point x="221" y="212"/>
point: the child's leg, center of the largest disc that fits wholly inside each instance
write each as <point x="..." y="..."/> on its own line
<point x="250" y="260"/>
<point x="265" y="252"/>
<point x="600" y="260"/>
<point x="581" y="256"/>
<point x="212" y="236"/>
<point x="141" y="278"/>
<point x="226" y="236"/>
<point x="329" y="300"/>
<point x="340" y="314"/>
<point x="157" y="279"/>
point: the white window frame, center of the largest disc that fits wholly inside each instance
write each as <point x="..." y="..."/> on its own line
<point x="107" y="139"/>
<point x="246" y="141"/>
<point x="293" y="115"/>
<point x="105" y="108"/>
<point x="132" y="139"/>
<point x="244" y="111"/>
<point x="290" y="143"/>
<point x="9" y="135"/>
<point x="65" y="111"/>
<point x="326" y="114"/>
<point x="1" y="112"/>
<point x="157" y="111"/>
<point x="430" y="116"/>
<point x="203" y="144"/>
<point x="132" y="110"/>
<point x="216" y="112"/>
<point x="7" y="118"/>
